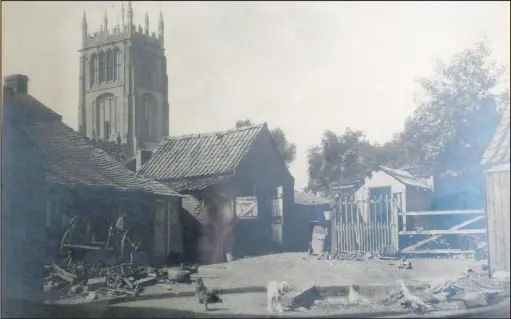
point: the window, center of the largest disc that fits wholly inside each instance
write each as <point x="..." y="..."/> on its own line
<point x="93" y="69"/>
<point x="104" y="115"/>
<point x="107" y="128"/>
<point x="109" y="65"/>
<point x="149" y="117"/>
<point x="102" y="70"/>
<point x="117" y="63"/>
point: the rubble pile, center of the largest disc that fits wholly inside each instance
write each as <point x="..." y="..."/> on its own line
<point x="356" y="255"/>
<point x="80" y="281"/>
<point x="468" y="291"/>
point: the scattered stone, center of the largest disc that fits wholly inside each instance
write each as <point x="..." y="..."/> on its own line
<point x="301" y="309"/>
<point x="475" y="299"/>
<point x="76" y="289"/>
<point x="468" y="270"/>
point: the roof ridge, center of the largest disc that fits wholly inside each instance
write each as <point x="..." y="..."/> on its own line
<point x="214" y="133"/>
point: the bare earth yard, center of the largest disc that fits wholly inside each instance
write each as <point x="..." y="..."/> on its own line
<point x="303" y="272"/>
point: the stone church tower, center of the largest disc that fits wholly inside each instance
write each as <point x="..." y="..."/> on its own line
<point x="123" y="84"/>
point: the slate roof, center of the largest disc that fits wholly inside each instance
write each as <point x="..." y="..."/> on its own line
<point x="197" y="161"/>
<point x="70" y="159"/>
<point x="405" y="177"/>
<point x="498" y="150"/>
<point x="306" y="198"/>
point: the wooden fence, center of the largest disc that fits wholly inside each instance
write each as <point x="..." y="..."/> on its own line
<point x="380" y="224"/>
<point x="366" y="225"/>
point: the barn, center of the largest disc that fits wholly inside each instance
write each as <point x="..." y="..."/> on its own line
<point x="81" y="180"/>
<point x="497" y="188"/>
<point x="241" y="188"/>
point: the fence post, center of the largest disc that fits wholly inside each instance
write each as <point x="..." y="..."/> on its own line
<point x="395" y="223"/>
<point x="333" y="226"/>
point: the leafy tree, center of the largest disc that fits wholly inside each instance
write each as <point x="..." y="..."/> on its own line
<point x="287" y="149"/>
<point x="457" y="116"/>
<point x="341" y="157"/>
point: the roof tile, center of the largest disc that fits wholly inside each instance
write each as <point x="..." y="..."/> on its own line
<point x="193" y="162"/>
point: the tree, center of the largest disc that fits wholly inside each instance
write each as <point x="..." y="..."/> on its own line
<point x="457" y="117"/>
<point x="287" y="149"/>
<point x="341" y="157"/>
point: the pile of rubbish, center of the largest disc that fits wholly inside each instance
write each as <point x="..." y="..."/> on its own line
<point x="127" y="279"/>
<point x="356" y="255"/>
<point x="468" y="291"/>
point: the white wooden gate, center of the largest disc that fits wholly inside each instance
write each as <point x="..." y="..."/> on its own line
<point x="367" y="225"/>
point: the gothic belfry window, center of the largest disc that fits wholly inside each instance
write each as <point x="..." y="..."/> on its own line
<point x="102" y="69"/>
<point x="109" y="66"/>
<point x="93" y="64"/>
<point x="117" y="63"/>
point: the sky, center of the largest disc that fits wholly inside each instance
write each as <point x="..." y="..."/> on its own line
<point x="302" y="66"/>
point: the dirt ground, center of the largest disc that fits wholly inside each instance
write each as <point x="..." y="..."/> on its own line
<point x="302" y="271"/>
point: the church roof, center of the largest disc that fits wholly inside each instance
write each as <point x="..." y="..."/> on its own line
<point x="197" y="161"/>
<point x="498" y="150"/>
<point x="70" y="159"/>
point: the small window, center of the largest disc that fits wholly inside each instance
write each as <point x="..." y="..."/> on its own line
<point x="109" y="66"/>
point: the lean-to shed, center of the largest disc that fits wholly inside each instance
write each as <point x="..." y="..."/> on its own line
<point x="497" y="188"/>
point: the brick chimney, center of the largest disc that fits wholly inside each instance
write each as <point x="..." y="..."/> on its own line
<point x="17" y="82"/>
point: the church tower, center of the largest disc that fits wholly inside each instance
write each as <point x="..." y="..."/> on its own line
<point x="123" y="84"/>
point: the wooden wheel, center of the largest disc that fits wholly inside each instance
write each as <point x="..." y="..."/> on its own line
<point x="125" y="244"/>
<point x="66" y="240"/>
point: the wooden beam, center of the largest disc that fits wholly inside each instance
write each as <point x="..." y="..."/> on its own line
<point x="440" y="251"/>
<point x="427" y="240"/>
<point x="444" y="212"/>
<point x="444" y="232"/>
<point x="248" y="209"/>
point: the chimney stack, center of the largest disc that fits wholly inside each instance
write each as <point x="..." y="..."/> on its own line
<point x="17" y="82"/>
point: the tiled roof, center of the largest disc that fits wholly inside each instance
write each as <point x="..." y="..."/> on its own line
<point x="498" y="149"/>
<point x="405" y="178"/>
<point x="194" y="162"/>
<point x="72" y="161"/>
<point x="306" y="198"/>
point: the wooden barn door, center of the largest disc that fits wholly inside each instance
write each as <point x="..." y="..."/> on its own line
<point x="277" y="205"/>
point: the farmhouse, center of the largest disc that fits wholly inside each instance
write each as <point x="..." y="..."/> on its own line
<point x="497" y="181"/>
<point x="241" y="185"/>
<point x="81" y="180"/>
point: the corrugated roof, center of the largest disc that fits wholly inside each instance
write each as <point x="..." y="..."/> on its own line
<point x="306" y="198"/>
<point x="498" y="149"/>
<point x="69" y="159"/>
<point x="405" y="178"/>
<point x="194" y="162"/>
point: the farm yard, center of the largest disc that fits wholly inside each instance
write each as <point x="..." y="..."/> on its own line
<point x="320" y="287"/>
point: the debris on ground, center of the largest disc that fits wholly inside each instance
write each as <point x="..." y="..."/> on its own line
<point x="357" y="255"/>
<point x="405" y="264"/>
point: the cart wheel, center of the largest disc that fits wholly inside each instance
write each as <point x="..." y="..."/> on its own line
<point x="125" y="243"/>
<point x="65" y="241"/>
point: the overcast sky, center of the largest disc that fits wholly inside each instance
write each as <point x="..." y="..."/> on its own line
<point x="301" y="66"/>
